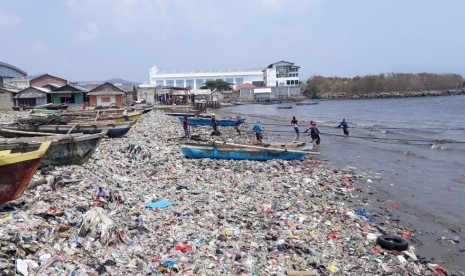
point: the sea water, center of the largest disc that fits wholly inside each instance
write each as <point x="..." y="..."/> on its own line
<point x="412" y="150"/>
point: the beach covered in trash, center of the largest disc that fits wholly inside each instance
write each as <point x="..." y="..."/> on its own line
<point x="168" y="214"/>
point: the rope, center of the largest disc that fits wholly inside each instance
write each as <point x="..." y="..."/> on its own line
<point x="428" y="142"/>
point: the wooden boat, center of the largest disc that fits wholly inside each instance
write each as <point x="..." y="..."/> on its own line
<point x="272" y="102"/>
<point x="284" y="107"/>
<point x="112" y="129"/>
<point x="182" y="114"/>
<point x="104" y="116"/>
<point x="307" y="103"/>
<point x="51" y="106"/>
<point x="65" y="149"/>
<point x="17" y="169"/>
<point x="23" y="107"/>
<point x="223" y="150"/>
<point x="208" y="121"/>
<point x="144" y="109"/>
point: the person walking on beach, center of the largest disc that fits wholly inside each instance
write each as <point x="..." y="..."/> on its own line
<point x="314" y="132"/>
<point x="238" y="125"/>
<point x="185" y="126"/>
<point x="344" y="126"/>
<point x="295" y="123"/>
<point x="214" y="124"/>
<point x="257" y="128"/>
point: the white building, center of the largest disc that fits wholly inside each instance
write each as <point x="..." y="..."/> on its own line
<point x="280" y="78"/>
<point x="196" y="79"/>
<point x="281" y="73"/>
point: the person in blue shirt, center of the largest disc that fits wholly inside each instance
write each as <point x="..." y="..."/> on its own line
<point x="101" y="193"/>
<point x="257" y="128"/>
<point x="344" y="126"/>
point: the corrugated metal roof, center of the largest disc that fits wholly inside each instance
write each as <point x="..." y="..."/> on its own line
<point x="104" y="93"/>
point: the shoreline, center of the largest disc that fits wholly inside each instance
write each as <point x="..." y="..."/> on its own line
<point x="393" y="94"/>
<point x="227" y="216"/>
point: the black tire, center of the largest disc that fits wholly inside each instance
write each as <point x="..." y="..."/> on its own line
<point x="391" y="242"/>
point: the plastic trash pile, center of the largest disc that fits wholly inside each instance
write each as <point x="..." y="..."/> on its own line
<point x="163" y="213"/>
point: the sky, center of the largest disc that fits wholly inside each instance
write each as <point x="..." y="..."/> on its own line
<point x="96" y="40"/>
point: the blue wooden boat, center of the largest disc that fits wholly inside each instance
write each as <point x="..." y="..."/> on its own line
<point x="208" y="121"/>
<point x="223" y="150"/>
<point x="307" y="103"/>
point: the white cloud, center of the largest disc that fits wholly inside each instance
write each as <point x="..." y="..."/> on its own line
<point x="8" y="20"/>
<point x="88" y="34"/>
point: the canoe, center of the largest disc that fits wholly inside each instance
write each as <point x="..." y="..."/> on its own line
<point x="307" y="103"/>
<point x="104" y="116"/>
<point x="272" y="102"/>
<point x="223" y="150"/>
<point x="113" y="129"/>
<point x="182" y="114"/>
<point x="144" y="109"/>
<point x="17" y="169"/>
<point x="208" y="122"/>
<point x="284" y="107"/>
<point x="65" y="149"/>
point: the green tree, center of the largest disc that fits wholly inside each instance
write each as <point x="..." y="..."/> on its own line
<point x="220" y="85"/>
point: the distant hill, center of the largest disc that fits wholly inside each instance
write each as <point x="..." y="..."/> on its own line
<point x="113" y="81"/>
<point x="120" y="81"/>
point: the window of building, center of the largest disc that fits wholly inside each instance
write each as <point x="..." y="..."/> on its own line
<point x="179" y="83"/>
<point x="199" y="83"/>
<point x="160" y="83"/>
<point x="190" y="83"/>
<point x="239" y="81"/>
<point x="230" y="80"/>
<point x="170" y="83"/>
<point x="105" y="99"/>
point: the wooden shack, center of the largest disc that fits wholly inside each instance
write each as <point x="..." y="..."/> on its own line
<point x="31" y="96"/>
<point x="69" y="94"/>
<point x="107" y="94"/>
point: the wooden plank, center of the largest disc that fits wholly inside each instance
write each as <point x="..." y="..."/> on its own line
<point x="28" y="132"/>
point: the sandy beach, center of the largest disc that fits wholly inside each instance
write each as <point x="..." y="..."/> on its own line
<point x="167" y="214"/>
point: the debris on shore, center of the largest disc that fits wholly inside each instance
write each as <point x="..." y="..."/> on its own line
<point x="163" y="213"/>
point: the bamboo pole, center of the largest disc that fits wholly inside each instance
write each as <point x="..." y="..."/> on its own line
<point x="28" y="132"/>
<point x="71" y="129"/>
<point x="264" y="148"/>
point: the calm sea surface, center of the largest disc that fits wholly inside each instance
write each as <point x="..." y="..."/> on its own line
<point x="413" y="150"/>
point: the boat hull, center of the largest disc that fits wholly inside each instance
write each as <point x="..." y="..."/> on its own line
<point x="112" y="130"/>
<point x="208" y="122"/>
<point x="213" y="152"/>
<point x="272" y="102"/>
<point x="16" y="170"/>
<point x="71" y="149"/>
<point x="307" y="103"/>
